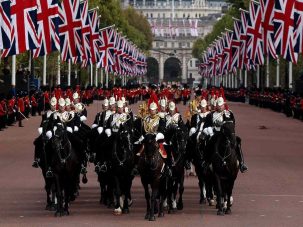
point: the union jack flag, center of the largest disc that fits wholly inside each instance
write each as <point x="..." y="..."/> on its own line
<point x="254" y="34"/>
<point x="70" y="26"/>
<point x="284" y="29"/>
<point x="228" y="53"/>
<point x="94" y="36"/>
<point x="85" y="30"/>
<point x="267" y="8"/>
<point x="48" y="27"/>
<point x="24" y="27"/>
<point x="298" y="16"/>
<point x="236" y="45"/>
<point x="220" y="55"/>
<point x="106" y="49"/>
<point x="5" y="24"/>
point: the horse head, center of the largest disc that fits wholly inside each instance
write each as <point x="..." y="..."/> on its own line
<point x="228" y="130"/>
<point x="178" y="139"/>
<point x="60" y="143"/>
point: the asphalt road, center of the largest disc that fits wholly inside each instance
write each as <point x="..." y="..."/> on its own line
<point x="269" y="194"/>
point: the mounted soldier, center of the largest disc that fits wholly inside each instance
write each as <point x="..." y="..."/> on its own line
<point x="172" y="119"/>
<point x="213" y="125"/>
<point x="113" y="126"/>
<point x="43" y="127"/>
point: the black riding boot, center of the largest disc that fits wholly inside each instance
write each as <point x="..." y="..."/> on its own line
<point x="243" y="167"/>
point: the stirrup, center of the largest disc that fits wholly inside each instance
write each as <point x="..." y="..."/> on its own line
<point x="243" y="168"/>
<point x="103" y="168"/>
<point x="83" y="170"/>
<point x="49" y="173"/>
<point x="35" y="164"/>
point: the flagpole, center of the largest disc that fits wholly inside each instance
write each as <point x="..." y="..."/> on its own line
<point x="236" y="80"/>
<point x="290" y="75"/>
<point x="106" y="72"/>
<point x="258" y="76"/>
<point x="102" y="83"/>
<point x="14" y="73"/>
<point x="44" y="70"/>
<point x="91" y="74"/>
<point x="245" y="79"/>
<point x="267" y="71"/>
<point x="96" y="76"/>
<point x="58" y="72"/>
<point x="69" y="71"/>
<point x="241" y="77"/>
<point x="278" y="73"/>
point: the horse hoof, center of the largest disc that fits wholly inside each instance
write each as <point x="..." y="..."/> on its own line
<point x="211" y="202"/>
<point x="117" y="211"/>
<point x="180" y="206"/>
<point x="161" y="214"/>
<point x="220" y="213"/>
<point x="146" y="216"/>
<point x="153" y="218"/>
<point x="125" y="211"/>
<point x="66" y="213"/>
<point x="228" y="211"/>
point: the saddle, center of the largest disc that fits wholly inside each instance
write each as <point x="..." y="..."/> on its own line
<point x="162" y="151"/>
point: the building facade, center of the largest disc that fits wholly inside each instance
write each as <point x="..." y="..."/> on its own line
<point x="176" y="24"/>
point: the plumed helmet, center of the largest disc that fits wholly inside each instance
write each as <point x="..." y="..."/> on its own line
<point x="203" y="103"/>
<point x="163" y="102"/>
<point x="75" y="95"/>
<point x="112" y="101"/>
<point x="67" y="102"/>
<point x="220" y="101"/>
<point x="153" y="106"/>
<point x="172" y="106"/>
<point x="105" y="102"/>
<point x="120" y="104"/>
<point x="61" y="102"/>
<point x="53" y="101"/>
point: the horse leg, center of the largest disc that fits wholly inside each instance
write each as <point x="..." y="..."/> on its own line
<point x="127" y="188"/>
<point x="170" y="195"/>
<point x="201" y="186"/>
<point x="155" y="187"/>
<point x="147" y="198"/>
<point x="174" y="194"/>
<point x="219" y="196"/>
<point x="181" y="190"/>
<point x="59" y="195"/>
<point x="117" y="193"/>
<point x="229" y="194"/>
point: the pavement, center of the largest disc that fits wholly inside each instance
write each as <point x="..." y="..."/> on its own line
<point x="269" y="194"/>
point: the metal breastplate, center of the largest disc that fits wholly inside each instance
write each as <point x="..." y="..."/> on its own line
<point x="151" y="124"/>
<point x="172" y="119"/>
<point x="118" y="120"/>
<point x="217" y="120"/>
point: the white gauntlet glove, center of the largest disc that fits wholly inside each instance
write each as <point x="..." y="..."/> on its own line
<point x="108" y="132"/>
<point x="159" y="136"/>
<point x="69" y="129"/>
<point x="100" y="130"/>
<point x="192" y="131"/>
<point x="49" y="134"/>
<point x="40" y="130"/>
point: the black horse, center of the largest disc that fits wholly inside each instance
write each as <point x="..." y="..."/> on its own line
<point x="225" y="164"/>
<point x="203" y="171"/>
<point x="66" y="168"/>
<point x="43" y="151"/>
<point x="101" y="149"/>
<point x="177" y="147"/>
<point x="122" y="163"/>
<point x="151" y="166"/>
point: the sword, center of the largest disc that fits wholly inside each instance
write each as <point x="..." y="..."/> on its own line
<point x="23" y="115"/>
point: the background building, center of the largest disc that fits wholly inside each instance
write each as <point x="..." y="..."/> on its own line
<point x="176" y="24"/>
